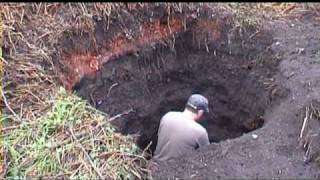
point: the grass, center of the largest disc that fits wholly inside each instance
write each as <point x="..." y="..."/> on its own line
<point x="36" y="138"/>
<point x="37" y="148"/>
<point x="253" y="14"/>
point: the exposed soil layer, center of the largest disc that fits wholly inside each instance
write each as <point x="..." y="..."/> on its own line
<point x="160" y="78"/>
<point x="236" y="67"/>
<point x="275" y="151"/>
<point x="128" y="30"/>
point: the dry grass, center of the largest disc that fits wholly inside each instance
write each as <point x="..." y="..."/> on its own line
<point x="309" y="135"/>
<point x="29" y="74"/>
<point x="254" y="13"/>
<point x="31" y="31"/>
<point x="72" y="140"/>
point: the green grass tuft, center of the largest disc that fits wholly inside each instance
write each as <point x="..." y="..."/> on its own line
<point x="35" y="149"/>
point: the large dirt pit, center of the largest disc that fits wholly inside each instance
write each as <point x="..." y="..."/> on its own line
<point x="232" y="72"/>
<point x="248" y="73"/>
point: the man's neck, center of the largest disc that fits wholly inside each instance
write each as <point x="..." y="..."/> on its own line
<point x="189" y="114"/>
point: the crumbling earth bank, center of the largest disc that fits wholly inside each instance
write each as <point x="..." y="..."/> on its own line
<point x="232" y="66"/>
<point x="150" y="65"/>
<point x="275" y="152"/>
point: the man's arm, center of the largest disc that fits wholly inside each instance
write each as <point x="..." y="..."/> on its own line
<point x="203" y="139"/>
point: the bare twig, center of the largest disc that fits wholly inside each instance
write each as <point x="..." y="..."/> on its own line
<point x="113" y="85"/>
<point x="2" y="59"/>
<point x="9" y="128"/>
<point x="106" y="154"/>
<point x="118" y="116"/>
<point x="86" y="154"/>
<point x="146" y="149"/>
<point x="206" y="45"/>
<point x="305" y="121"/>
<point x="18" y="126"/>
<point x="10" y="40"/>
<point x="287" y="10"/>
<point x="92" y="98"/>
<point x="43" y="35"/>
<point x="254" y="34"/>
<point x="7" y="105"/>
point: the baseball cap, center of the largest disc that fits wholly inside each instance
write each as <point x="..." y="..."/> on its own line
<point x="198" y="102"/>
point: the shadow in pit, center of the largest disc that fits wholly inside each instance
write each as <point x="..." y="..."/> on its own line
<point x="159" y="79"/>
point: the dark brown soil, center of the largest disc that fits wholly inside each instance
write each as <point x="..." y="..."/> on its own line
<point x="158" y="79"/>
<point x="256" y="86"/>
<point x="275" y="153"/>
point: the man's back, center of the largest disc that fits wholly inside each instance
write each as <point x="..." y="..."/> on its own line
<point x="177" y="135"/>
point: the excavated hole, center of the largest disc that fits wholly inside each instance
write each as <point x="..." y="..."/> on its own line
<point x="160" y="78"/>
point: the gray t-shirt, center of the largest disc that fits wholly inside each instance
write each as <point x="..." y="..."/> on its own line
<point x="177" y="135"/>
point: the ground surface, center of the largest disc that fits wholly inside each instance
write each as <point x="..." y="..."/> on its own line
<point x="75" y="41"/>
<point x="157" y="81"/>
<point x="275" y="153"/>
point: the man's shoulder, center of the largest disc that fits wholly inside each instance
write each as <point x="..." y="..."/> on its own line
<point x="199" y="128"/>
<point x="171" y="114"/>
<point x="171" y="118"/>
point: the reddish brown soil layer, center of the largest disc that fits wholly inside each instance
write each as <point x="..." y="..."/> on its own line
<point x="77" y="63"/>
<point x="251" y="80"/>
<point x="202" y="58"/>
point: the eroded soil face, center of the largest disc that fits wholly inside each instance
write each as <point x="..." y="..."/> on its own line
<point x="237" y="68"/>
<point x="275" y="151"/>
<point x="160" y="78"/>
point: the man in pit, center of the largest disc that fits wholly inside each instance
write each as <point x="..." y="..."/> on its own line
<point x="179" y="132"/>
